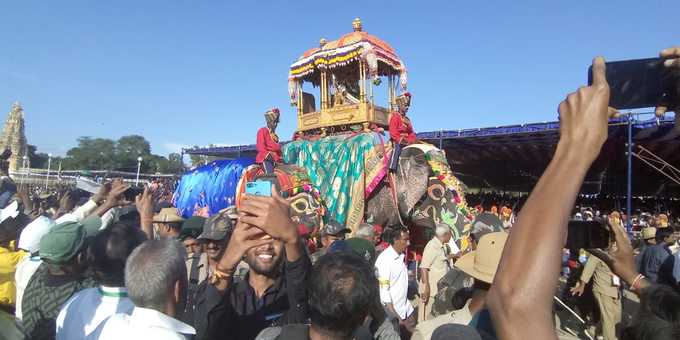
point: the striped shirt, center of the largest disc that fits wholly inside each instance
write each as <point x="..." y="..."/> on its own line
<point x="43" y="299"/>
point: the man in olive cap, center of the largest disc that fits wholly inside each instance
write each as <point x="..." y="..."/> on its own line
<point x="214" y="238"/>
<point x="362" y="242"/>
<point x="332" y="232"/>
<point x="61" y="275"/>
<point x="191" y="228"/>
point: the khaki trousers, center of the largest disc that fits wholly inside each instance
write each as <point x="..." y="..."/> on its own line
<point x="610" y="311"/>
<point x="425" y="309"/>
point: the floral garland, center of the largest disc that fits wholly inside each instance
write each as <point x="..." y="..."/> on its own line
<point x="342" y="56"/>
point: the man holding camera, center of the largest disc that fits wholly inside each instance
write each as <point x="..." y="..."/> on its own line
<point x="273" y="292"/>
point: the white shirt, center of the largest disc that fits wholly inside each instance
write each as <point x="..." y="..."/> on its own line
<point x="453" y="246"/>
<point x="25" y="270"/>
<point x="144" y="324"/>
<point x="393" y="280"/>
<point x="86" y="310"/>
<point x="79" y="213"/>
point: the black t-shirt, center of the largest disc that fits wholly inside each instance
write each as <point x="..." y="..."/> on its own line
<point x="240" y="314"/>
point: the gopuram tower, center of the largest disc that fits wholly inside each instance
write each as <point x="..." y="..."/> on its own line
<point x="13" y="137"/>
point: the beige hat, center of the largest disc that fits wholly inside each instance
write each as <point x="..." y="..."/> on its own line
<point x="231" y="211"/>
<point x="648" y="233"/>
<point x="167" y="215"/>
<point x="483" y="262"/>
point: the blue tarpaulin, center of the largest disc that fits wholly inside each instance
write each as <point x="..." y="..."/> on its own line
<point x="211" y="187"/>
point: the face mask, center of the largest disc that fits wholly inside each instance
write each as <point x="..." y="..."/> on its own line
<point x="582" y="259"/>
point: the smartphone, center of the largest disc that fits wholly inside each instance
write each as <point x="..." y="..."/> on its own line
<point x="259" y="188"/>
<point x="587" y="235"/>
<point x="133" y="192"/>
<point x="639" y="83"/>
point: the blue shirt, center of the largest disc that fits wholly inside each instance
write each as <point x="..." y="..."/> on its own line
<point x="652" y="259"/>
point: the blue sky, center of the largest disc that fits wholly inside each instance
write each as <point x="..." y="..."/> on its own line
<point x="200" y="72"/>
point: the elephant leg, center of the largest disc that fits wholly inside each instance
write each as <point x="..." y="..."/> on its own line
<point x="381" y="208"/>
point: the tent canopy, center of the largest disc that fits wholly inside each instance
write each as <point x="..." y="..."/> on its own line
<point x="512" y="158"/>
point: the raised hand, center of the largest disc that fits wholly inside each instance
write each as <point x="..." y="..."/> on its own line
<point x="145" y="203"/>
<point x="270" y="214"/>
<point x="672" y="56"/>
<point x="619" y="259"/>
<point x="584" y="115"/>
<point x="115" y="196"/>
<point x="672" y="63"/>
<point x="66" y="203"/>
<point x="100" y="196"/>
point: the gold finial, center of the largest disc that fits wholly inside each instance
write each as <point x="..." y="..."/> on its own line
<point x="356" y="24"/>
<point x="322" y="42"/>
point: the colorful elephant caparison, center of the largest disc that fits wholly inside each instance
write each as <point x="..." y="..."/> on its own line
<point x="425" y="194"/>
<point x="306" y="208"/>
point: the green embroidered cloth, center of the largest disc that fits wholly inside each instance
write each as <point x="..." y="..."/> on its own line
<point x="344" y="168"/>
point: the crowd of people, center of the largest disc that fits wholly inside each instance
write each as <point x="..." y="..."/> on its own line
<point x="111" y="267"/>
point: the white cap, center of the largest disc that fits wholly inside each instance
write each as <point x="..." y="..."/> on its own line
<point x="29" y="239"/>
<point x="10" y="211"/>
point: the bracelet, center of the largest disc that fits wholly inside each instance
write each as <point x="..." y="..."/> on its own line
<point x="219" y="276"/>
<point x="636" y="281"/>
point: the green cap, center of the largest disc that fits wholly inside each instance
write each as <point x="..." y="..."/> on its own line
<point x="363" y="247"/>
<point x="217" y="227"/>
<point x="62" y="242"/>
<point x="192" y="227"/>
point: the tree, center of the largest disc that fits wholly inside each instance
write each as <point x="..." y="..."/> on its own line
<point x="175" y="164"/>
<point x="128" y="149"/>
<point x="36" y="160"/>
<point x="92" y="153"/>
<point x="170" y="165"/>
<point x="197" y="160"/>
<point x="106" y="154"/>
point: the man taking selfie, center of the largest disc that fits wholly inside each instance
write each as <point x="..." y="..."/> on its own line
<point x="273" y="292"/>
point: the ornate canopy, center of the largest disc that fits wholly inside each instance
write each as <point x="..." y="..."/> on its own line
<point x="358" y="45"/>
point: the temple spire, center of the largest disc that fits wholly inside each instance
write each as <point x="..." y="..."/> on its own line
<point x="13" y="136"/>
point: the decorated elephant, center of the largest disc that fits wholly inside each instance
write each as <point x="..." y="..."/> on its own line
<point x="422" y="193"/>
<point x="350" y="172"/>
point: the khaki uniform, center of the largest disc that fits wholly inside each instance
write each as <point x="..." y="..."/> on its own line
<point x="425" y="329"/>
<point x="199" y="264"/>
<point x="434" y="259"/>
<point x="606" y="293"/>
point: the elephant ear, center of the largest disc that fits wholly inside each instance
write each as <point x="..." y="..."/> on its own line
<point x="412" y="177"/>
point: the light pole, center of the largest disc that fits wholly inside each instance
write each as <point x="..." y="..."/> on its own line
<point x="49" y="167"/>
<point x="139" y="167"/>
